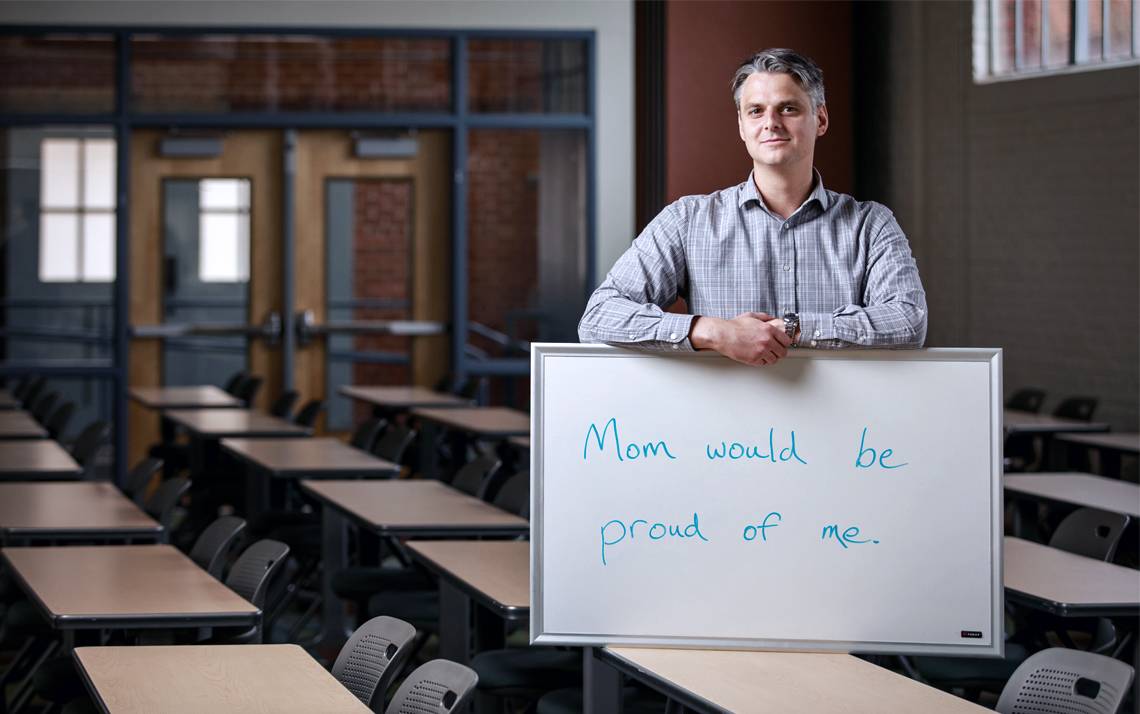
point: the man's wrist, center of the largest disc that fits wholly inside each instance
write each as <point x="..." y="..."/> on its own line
<point x="703" y="333"/>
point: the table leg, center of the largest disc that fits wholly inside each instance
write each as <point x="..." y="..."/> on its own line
<point x="601" y="685"/>
<point x="454" y="623"/>
<point x="334" y="554"/>
<point x="429" y="465"/>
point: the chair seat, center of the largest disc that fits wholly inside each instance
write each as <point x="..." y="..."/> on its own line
<point x="420" y="608"/>
<point x="525" y="670"/>
<point x="358" y="583"/>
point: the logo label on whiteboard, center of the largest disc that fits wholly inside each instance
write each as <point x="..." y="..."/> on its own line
<point x="972" y="634"/>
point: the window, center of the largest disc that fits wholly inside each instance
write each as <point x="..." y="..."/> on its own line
<point x="77" y="210"/>
<point x="1015" y="38"/>
<point x="223" y="230"/>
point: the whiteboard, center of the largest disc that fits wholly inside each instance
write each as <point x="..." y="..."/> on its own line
<point x="838" y="500"/>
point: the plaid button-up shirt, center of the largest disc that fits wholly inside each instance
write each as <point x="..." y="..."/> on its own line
<point x="843" y="265"/>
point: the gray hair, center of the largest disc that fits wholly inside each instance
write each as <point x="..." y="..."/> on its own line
<point x="782" y="61"/>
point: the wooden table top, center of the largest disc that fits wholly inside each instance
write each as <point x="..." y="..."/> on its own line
<point x="1066" y="583"/>
<point x="19" y="424"/>
<point x="496" y="572"/>
<point x="311" y="457"/>
<point x="520" y="442"/>
<point x="1107" y="494"/>
<point x="36" y="459"/>
<point x="217" y="423"/>
<point x="402" y="397"/>
<point x="129" y="585"/>
<point x="222" y="679"/>
<point x="481" y="421"/>
<point x="415" y="507"/>
<point x="1026" y="422"/>
<point x="200" y="397"/>
<point x="1128" y="442"/>
<point x="71" y="509"/>
<point x="788" y="682"/>
<point x="7" y="401"/>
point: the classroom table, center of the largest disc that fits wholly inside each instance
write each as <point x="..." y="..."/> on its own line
<point x="740" y="681"/>
<point x="19" y="424"/>
<point x="36" y="460"/>
<point x="199" y="397"/>
<point x="1067" y="584"/>
<point x="494" y="574"/>
<point x="222" y="679"/>
<point x="479" y="422"/>
<point x="76" y="510"/>
<point x="1019" y="422"/>
<point x="1110" y="447"/>
<point x="395" y="399"/>
<point x="101" y="587"/>
<point x="207" y="426"/>
<point x="1077" y="489"/>
<point x="289" y="458"/>
<point x="400" y="509"/>
<point x="7" y="401"/>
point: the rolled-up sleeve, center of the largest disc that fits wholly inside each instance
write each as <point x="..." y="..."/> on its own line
<point x="628" y="307"/>
<point x="893" y="313"/>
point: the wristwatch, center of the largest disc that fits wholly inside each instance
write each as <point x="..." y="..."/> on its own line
<point x="791" y="325"/>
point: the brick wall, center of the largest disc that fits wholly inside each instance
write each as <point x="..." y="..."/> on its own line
<point x="502" y="195"/>
<point x="46" y="74"/>
<point x="381" y="269"/>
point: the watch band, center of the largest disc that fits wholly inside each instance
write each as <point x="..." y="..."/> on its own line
<point x="791" y="325"/>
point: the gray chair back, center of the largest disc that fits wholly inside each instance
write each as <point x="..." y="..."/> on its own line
<point x="1090" y="532"/>
<point x="473" y="475"/>
<point x="139" y="478"/>
<point x="438" y="687"/>
<point x="215" y="543"/>
<point x="43" y="406"/>
<point x="364" y="438"/>
<point x="1079" y="408"/>
<point x="514" y="494"/>
<point x="163" y="503"/>
<point x="253" y="572"/>
<point x="373" y="657"/>
<point x="1026" y="400"/>
<point x="1065" y="680"/>
<point x="88" y="443"/>
<point x="283" y="405"/>
<point x="247" y="390"/>
<point x="307" y="416"/>
<point x="234" y="382"/>
<point x="393" y="444"/>
<point x="57" y="421"/>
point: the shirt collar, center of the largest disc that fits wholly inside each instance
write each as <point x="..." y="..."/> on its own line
<point x="748" y="192"/>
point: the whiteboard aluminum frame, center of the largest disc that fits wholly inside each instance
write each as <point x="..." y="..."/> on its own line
<point x="996" y="648"/>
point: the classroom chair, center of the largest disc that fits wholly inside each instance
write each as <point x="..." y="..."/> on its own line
<point x="247" y="390"/>
<point x="86" y="446"/>
<point x="1064" y="680"/>
<point x="438" y="687"/>
<point x="251" y="576"/>
<point x="138" y="480"/>
<point x="234" y="381"/>
<point x="394" y="442"/>
<point x="33" y="391"/>
<point x="283" y="406"/>
<point x="213" y="546"/>
<point x="367" y="432"/>
<point x="43" y="406"/>
<point x="20" y="388"/>
<point x="56" y="422"/>
<point x="307" y="416"/>
<point x="1090" y="532"/>
<point x="1028" y="399"/>
<point x="1079" y="408"/>
<point x="373" y="657"/>
<point x="164" y="503"/>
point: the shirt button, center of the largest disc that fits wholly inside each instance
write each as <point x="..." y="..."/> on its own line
<point x="817" y="333"/>
<point x="632" y="336"/>
<point x="673" y="336"/>
<point x="813" y="343"/>
<point x="787" y="267"/>
<point x="676" y="347"/>
<point x="787" y="226"/>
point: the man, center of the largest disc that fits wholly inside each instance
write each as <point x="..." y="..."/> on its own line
<point x="774" y="262"/>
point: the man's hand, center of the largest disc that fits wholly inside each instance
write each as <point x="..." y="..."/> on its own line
<point x="754" y="338"/>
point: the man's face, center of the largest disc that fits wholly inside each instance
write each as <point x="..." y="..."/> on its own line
<point x="776" y="121"/>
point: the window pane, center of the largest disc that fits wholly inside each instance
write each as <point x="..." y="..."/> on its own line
<point x="98" y="247"/>
<point x="532" y="76"/>
<point x="99" y="173"/>
<point x="1004" y="19"/>
<point x="224" y="194"/>
<point x="224" y="248"/>
<point x="219" y="73"/>
<point x="1060" y="33"/>
<point x="1031" y="34"/>
<point x="59" y="247"/>
<point x="59" y="173"/>
<point x="57" y="73"/>
<point x="1095" y="9"/>
<point x="1120" y="29"/>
